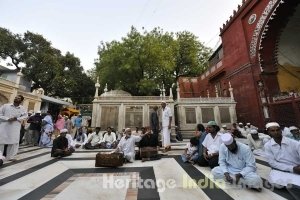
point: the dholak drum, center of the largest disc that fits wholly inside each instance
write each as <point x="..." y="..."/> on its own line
<point x="148" y="152"/>
<point x="109" y="159"/>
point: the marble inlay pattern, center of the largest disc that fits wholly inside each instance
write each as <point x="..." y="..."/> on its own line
<point x="131" y="191"/>
<point x="38" y="176"/>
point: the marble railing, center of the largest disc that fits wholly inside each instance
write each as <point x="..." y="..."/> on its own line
<point x="133" y="98"/>
<point x="207" y="100"/>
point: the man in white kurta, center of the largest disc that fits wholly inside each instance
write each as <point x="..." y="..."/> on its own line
<point x="127" y="145"/>
<point x="236" y="163"/>
<point x="283" y="156"/>
<point x="256" y="142"/>
<point x="109" y="139"/>
<point x="166" y="125"/>
<point x="11" y="116"/>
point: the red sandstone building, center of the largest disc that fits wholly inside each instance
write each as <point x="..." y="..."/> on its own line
<point x="260" y="58"/>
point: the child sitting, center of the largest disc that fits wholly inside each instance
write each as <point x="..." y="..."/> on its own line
<point x="191" y="151"/>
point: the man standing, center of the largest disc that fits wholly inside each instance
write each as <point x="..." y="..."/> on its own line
<point x="237" y="164"/>
<point x="283" y="156"/>
<point x="35" y="128"/>
<point x="154" y="122"/>
<point x="78" y="122"/>
<point x="11" y="116"/>
<point x="166" y="125"/>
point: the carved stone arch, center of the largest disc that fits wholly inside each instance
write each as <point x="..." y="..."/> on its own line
<point x="268" y="44"/>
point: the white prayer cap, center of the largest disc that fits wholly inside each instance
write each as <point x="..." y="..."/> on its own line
<point x="163" y="102"/>
<point x="227" y="138"/>
<point x="293" y="128"/>
<point x="64" y="130"/>
<point x="240" y="123"/>
<point x="248" y="123"/>
<point x="224" y="126"/>
<point x="270" y="124"/>
<point x="38" y="112"/>
<point x="127" y="129"/>
<point x="253" y="131"/>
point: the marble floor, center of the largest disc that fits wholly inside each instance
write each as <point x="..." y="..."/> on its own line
<point x="35" y="175"/>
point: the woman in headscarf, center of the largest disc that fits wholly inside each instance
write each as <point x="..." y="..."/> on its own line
<point x="47" y="130"/>
<point x="60" y="123"/>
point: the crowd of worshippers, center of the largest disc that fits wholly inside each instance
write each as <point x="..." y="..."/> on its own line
<point x="229" y="152"/>
<point x="124" y="142"/>
<point x="17" y="126"/>
<point x="37" y="129"/>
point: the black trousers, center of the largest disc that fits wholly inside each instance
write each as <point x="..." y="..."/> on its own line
<point x="213" y="162"/>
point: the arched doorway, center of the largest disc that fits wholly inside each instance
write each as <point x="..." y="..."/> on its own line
<point x="279" y="58"/>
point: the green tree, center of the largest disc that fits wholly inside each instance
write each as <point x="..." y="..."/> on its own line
<point x="11" y="47"/>
<point x="77" y="84"/>
<point x="42" y="63"/>
<point x="59" y="75"/>
<point x="142" y="62"/>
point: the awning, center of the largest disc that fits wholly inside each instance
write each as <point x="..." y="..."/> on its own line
<point x="56" y="101"/>
<point x="71" y="110"/>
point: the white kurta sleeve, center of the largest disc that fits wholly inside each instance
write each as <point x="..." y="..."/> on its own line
<point x="2" y="114"/>
<point x="23" y="116"/>
<point x="275" y="164"/>
<point x="204" y="143"/>
<point x="114" y="137"/>
<point x="222" y="158"/>
<point x="250" y="163"/>
<point x="136" y="138"/>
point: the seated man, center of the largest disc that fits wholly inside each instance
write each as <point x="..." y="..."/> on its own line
<point x="256" y="142"/>
<point x="236" y="132"/>
<point x="148" y="146"/>
<point x="211" y="145"/>
<point x="295" y="133"/>
<point x="109" y="140"/>
<point x="71" y="144"/>
<point x="60" y="145"/>
<point x="127" y="145"/>
<point x="80" y="139"/>
<point x="237" y="164"/>
<point x="283" y="156"/>
<point x="94" y="139"/>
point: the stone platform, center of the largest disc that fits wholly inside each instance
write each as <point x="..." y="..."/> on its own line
<point x="35" y="175"/>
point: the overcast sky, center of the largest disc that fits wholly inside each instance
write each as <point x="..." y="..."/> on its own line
<point x="78" y="26"/>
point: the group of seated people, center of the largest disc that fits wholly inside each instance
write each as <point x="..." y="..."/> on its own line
<point x="228" y="158"/>
<point x="125" y="142"/>
<point x="234" y="161"/>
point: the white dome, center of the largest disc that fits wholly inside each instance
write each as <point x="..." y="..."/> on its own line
<point x="115" y="93"/>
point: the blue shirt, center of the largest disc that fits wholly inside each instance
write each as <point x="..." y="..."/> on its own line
<point x="243" y="161"/>
<point x="78" y="121"/>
